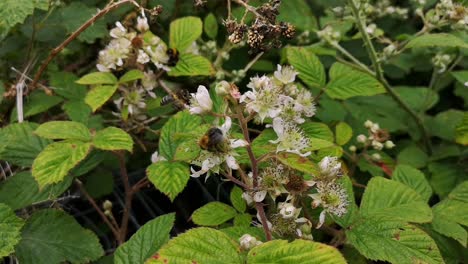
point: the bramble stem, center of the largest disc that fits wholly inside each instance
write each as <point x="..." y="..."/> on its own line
<point x="380" y="76"/>
<point x="128" y="197"/>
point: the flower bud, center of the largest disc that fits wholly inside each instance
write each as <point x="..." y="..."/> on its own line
<point x="376" y="156"/>
<point x="352" y="148"/>
<point x="361" y="138"/>
<point x="377" y="145"/>
<point x="222" y="88"/>
<point x="288" y="211"/>
<point x="389" y="144"/>
<point x="368" y="124"/>
<point x="107" y="205"/>
<point x="247" y="242"/>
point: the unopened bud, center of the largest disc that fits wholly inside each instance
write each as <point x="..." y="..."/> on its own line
<point x="361" y="138"/>
<point x="389" y="144"/>
<point x="376" y="156"/>
<point x="352" y="148"/>
<point x="107" y="205"/>
<point x="222" y="88"/>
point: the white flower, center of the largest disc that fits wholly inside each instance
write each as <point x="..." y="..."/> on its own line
<point x="143" y="57"/>
<point x="156" y="157"/>
<point x="374" y="128"/>
<point x="201" y="101"/>
<point x="142" y="22"/>
<point x="285" y="74"/>
<point x="158" y="55"/>
<point x="247" y="242"/>
<point x="288" y="210"/>
<point x="149" y="82"/>
<point x="330" y="167"/>
<point x="206" y="166"/>
<point x="259" y="196"/>
<point x="290" y="138"/>
<point x="263" y="99"/>
<point x="389" y="144"/>
<point x="332" y="197"/>
<point x="119" y="31"/>
<point x="305" y="103"/>
<point x="361" y="138"/>
<point x="193" y="48"/>
<point x="247" y="197"/>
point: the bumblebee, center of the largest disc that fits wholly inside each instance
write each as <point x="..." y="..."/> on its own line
<point x="180" y="99"/>
<point x="213" y="140"/>
<point x="173" y="56"/>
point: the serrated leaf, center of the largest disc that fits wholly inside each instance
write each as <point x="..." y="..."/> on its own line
<point x="394" y="200"/>
<point x="346" y="82"/>
<point x="413" y="156"/>
<point x="210" y="25"/>
<point x="76" y="14"/>
<point x="298" y="13"/>
<point x="57" y="159"/>
<point x="37" y="103"/>
<point x="13" y="12"/>
<point x="213" y="214"/>
<point x="51" y="236"/>
<point x="77" y="111"/>
<point x="99" y="95"/>
<point x="461" y="131"/>
<point x="444" y="124"/>
<point x="64" y="84"/>
<point x="236" y="232"/>
<point x="19" y="145"/>
<point x="443" y="224"/>
<point x="243" y="220"/>
<point x="311" y="70"/>
<point x="187" y="150"/>
<point x="393" y="241"/>
<point x="445" y="176"/>
<point x="199" y="245"/>
<point x="298" y="251"/>
<point x="113" y="138"/>
<point x="236" y="199"/>
<point x="297" y="162"/>
<point x="192" y="65"/>
<point x="10" y="226"/>
<point x="343" y="133"/>
<point x="319" y="134"/>
<point x="98" y="78"/>
<point x="146" y="241"/>
<point x="131" y="75"/>
<point x="169" y="177"/>
<point x="184" y="31"/>
<point x="180" y="123"/>
<point x="414" y="179"/>
<point x="21" y="190"/>
<point x="63" y="130"/>
<point x="437" y="40"/>
<point x="418" y="98"/>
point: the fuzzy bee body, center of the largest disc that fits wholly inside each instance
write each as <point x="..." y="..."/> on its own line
<point x="213" y="140"/>
<point x="179" y="99"/>
<point x="173" y="56"/>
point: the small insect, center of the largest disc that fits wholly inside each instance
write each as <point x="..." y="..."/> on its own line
<point x="213" y="140"/>
<point x="179" y="99"/>
<point x="173" y="56"/>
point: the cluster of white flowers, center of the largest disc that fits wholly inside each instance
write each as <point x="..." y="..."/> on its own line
<point x="332" y="197"/>
<point x="280" y="99"/>
<point x="441" y="61"/>
<point x="329" y="35"/>
<point x="377" y="138"/>
<point x="127" y="44"/>
<point x="447" y="12"/>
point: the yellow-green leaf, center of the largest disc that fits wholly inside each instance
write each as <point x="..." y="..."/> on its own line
<point x="343" y="133"/>
<point x="98" y="78"/>
<point x="63" y="130"/>
<point x="192" y="65"/>
<point x="10" y="226"/>
<point x="184" y="31"/>
<point x="169" y="177"/>
<point x="99" y="95"/>
<point x="113" y="138"/>
<point x="213" y="214"/>
<point x="311" y="70"/>
<point x="131" y="75"/>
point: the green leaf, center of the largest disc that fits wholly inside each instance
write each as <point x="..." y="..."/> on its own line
<point x="346" y="82"/>
<point x="444" y="124"/>
<point x="131" y="76"/>
<point x="343" y="133"/>
<point x="57" y="159"/>
<point x="418" y="98"/>
<point x="76" y="14"/>
<point x="437" y="40"/>
<point x="13" y="12"/>
<point x="63" y="130"/>
<point x="414" y="179"/>
<point x="319" y="134"/>
<point x="445" y="176"/>
<point x="37" y="103"/>
<point x="77" y="111"/>
<point x="146" y="241"/>
<point x="98" y="183"/>
<point x="19" y="145"/>
<point x="98" y="78"/>
<point x="51" y="237"/>
<point x="236" y="232"/>
<point x="210" y="25"/>
<point x="187" y="150"/>
<point x="113" y="138"/>
<point x="393" y="241"/>
<point x="169" y="177"/>
<point x="236" y="199"/>
<point x="192" y="65"/>
<point x="297" y="162"/>
<point x="243" y="219"/>
<point x="184" y="31"/>
<point x="21" y="190"/>
<point x="451" y="213"/>
<point x="99" y="95"/>
<point x="298" y="251"/>
<point x="199" y="245"/>
<point x="298" y="13"/>
<point x="461" y="132"/>
<point x="460" y="76"/>
<point x="413" y="156"/>
<point x="64" y="84"/>
<point x="180" y="123"/>
<point x="311" y="70"/>
<point x="213" y="214"/>
<point x="394" y="200"/>
<point x="10" y="226"/>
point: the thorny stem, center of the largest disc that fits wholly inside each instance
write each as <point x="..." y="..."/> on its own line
<point x="73" y="36"/>
<point x="128" y="197"/>
<point x="380" y="76"/>
<point x="337" y="46"/>
<point x="254" y="163"/>
<point x="112" y="227"/>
